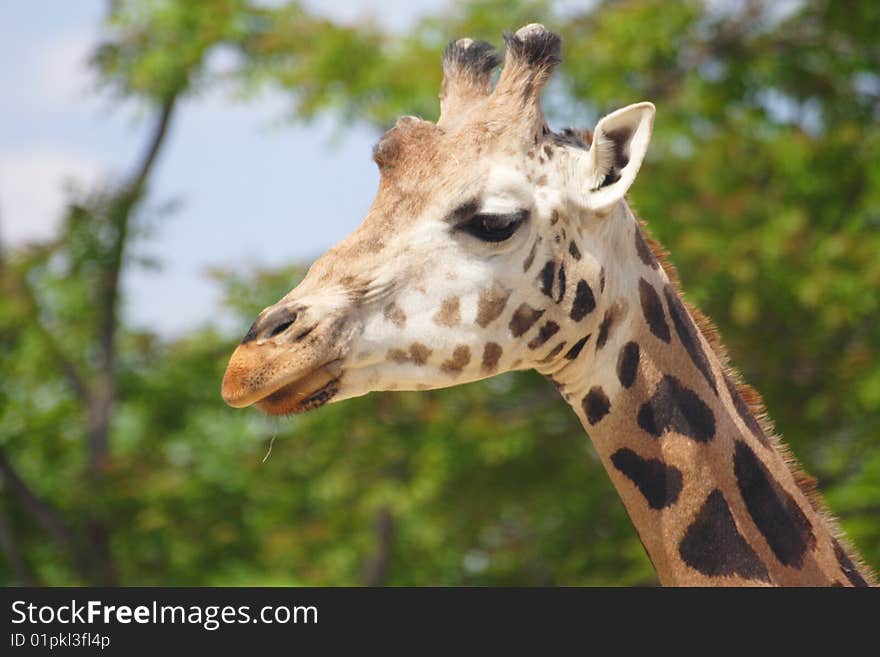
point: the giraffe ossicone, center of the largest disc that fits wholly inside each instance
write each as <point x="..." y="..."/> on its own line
<point x="495" y="244"/>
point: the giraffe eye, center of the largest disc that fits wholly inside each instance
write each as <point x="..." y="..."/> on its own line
<point x="494" y="227"/>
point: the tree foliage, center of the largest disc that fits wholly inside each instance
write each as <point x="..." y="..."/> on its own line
<point x="763" y="180"/>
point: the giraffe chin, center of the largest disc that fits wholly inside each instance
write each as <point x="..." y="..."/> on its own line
<point x="303" y="395"/>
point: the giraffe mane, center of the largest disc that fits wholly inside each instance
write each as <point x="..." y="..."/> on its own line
<point x="807" y="483"/>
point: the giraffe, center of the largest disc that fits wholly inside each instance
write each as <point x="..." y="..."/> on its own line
<point x="495" y="244"/>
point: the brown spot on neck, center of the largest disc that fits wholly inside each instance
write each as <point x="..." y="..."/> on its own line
<point x="652" y="308"/>
<point x="546" y="332"/>
<point x="612" y="317"/>
<point x="553" y="352"/>
<point x="575" y="350"/>
<point x="523" y="319"/>
<point x="584" y="302"/>
<point x="604" y="329"/>
<point x="546" y="278"/>
<point x="596" y="404"/>
<point x="713" y="546"/>
<point x="646" y="255"/>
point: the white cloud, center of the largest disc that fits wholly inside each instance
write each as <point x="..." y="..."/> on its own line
<point x="33" y="185"/>
<point x="65" y="71"/>
<point x="51" y="74"/>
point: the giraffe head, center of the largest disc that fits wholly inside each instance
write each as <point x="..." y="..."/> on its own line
<point x="484" y="251"/>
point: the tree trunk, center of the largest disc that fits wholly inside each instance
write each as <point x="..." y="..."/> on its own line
<point x="376" y="566"/>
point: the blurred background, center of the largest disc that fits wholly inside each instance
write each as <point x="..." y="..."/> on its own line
<point x="167" y="169"/>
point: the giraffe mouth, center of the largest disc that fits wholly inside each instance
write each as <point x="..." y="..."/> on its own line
<point x="304" y="393"/>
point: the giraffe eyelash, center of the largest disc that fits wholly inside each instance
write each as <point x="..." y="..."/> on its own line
<point x="490" y="227"/>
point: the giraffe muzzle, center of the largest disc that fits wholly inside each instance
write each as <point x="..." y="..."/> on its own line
<point x="252" y="378"/>
<point x="293" y="357"/>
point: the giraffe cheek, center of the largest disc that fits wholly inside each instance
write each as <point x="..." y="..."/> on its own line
<point x="460" y="359"/>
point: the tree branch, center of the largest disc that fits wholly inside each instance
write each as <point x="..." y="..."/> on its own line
<point x="103" y="397"/>
<point x="376" y="566"/>
<point x="121" y="210"/>
<point x="69" y="369"/>
<point x="46" y="515"/>
<point x="160" y="131"/>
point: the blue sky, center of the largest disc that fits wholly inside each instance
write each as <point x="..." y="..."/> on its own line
<point x="254" y="189"/>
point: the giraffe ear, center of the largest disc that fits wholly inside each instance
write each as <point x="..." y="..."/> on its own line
<point x="620" y="142"/>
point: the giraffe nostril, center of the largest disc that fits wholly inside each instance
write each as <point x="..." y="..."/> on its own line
<point x="283" y="326"/>
<point x="271" y="324"/>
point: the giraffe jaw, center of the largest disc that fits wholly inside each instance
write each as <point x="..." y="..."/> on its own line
<point x="283" y="397"/>
<point x="302" y="396"/>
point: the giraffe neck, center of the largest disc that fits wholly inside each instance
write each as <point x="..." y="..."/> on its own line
<point x="711" y="495"/>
